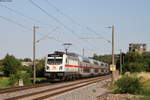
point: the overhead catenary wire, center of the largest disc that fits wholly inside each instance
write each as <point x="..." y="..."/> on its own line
<point x="78" y="24"/>
<point x="44" y="11"/>
<point x="26" y="28"/>
<point x="53" y="17"/>
<point x="88" y="28"/>
<point x="74" y="21"/>
<point x="19" y="24"/>
<point x="15" y="22"/>
<point x="58" y="10"/>
<point x="21" y="14"/>
<point x="47" y="35"/>
<point x="68" y="17"/>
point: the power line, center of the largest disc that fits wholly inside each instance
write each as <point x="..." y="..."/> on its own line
<point x="65" y="15"/>
<point x="21" y="14"/>
<point x="14" y="22"/>
<point x="88" y="28"/>
<point x="58" y="10"/>
<point x="44" y="11"/>
<point x="47" y="34"/>
<point x="73" y="21"/>
<point x="51" y="16"/>
<point x="67" y="28"/>
<point x="29" y="29"/>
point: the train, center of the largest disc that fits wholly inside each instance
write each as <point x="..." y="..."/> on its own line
<point x="71" y="66"/>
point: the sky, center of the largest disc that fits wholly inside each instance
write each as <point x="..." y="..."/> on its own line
<point x="83" y="23"/>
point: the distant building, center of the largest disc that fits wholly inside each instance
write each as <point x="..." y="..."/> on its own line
<point x="26" y="63"/>
<point x="139" y="47"/>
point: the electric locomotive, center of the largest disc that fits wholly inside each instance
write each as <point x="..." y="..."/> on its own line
<point x="60" y="65"/>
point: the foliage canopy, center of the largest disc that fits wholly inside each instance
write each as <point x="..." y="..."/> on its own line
<point x="11" y="65"/>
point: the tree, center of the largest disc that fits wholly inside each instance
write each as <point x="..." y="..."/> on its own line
<point x="105" y="58"/>
<point x="40" y="68"/>
<point x="134" y="67"/>
<point x="26" y="60"/>
<point x="136" y="62"/>
<point x="133" y="57"/>
<point x="11" y="65"/>
<point x="27" y="69"/>
<point x="146" y="57"/>
<point x="1" y="66"/>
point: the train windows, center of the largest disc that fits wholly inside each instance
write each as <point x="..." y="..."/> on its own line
<point x="85" y="60"/>
<point x="102" y="64"/>
<point x="96" y="63"/>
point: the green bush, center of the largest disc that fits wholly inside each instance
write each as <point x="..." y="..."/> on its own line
<point x="14" y="78"/>
<point x="128" y="84"/>
<point x="135" y="67"/>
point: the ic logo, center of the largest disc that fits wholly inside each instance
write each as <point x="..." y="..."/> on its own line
<point x="54" y="67"/>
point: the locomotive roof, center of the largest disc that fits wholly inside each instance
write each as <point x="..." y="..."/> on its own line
<point x="59" y="53"/>
<point x="74" y="55"/>
<point x="56" y="54"/>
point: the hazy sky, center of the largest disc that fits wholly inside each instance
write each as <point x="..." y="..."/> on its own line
<point x="130" y="17"/>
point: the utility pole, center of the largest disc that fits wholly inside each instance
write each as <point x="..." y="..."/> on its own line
<point x="34" y="43"/>
<point x="120" y="61"/>
<point x="113" y="66"/>
<point x="113" y="57"/>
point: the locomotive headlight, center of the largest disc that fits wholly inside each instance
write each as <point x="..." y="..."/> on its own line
<point x="60" y="68"/>
<point x="47" y="67"/>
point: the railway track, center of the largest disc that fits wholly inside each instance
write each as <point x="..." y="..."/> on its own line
<point x="8" y="90"/>
<point x="55" y="89"/>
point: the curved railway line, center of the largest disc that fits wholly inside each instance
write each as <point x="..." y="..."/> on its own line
<point x="53" y="90"/>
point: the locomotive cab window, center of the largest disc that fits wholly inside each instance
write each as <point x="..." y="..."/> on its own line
<point x="54" y="60"/>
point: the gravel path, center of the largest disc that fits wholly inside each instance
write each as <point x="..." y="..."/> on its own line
<point x="110" y="96"/>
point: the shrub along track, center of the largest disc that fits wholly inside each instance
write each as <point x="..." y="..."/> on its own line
<point x="47" y="93"/>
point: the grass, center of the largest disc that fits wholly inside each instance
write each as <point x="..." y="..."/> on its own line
<point x="40" y="79"/>
<point x="146" y="86"/>
<point x="4" y="82"/>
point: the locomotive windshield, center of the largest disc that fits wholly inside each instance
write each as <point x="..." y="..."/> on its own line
<point x="54" y="60"/>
